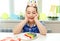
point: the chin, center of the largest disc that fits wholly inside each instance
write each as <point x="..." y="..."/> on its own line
<point x="31" y="20"/>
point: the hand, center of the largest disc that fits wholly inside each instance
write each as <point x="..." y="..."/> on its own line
<point x="36" y="17"/>
<point x="26" y="19"/>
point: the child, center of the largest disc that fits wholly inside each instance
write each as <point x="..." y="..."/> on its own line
<point x="31" y="22"/>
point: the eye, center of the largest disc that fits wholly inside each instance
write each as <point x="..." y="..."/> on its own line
<point x="28" y="13"/>
<point x="33" y="13"/>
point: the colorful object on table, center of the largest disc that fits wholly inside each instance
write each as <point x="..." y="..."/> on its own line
<point x="5" y="16"/>
<point x="30" y="35"/>
<point x="11" y="39"/>
<point x="42" y="17"/>
<point x="53" y="8"/>
<point x="57" y="9"/>
<point x="14" y="16"/>
<point x="21" y="15"/>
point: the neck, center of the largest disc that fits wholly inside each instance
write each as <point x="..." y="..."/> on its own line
<point x="31" y="23"/>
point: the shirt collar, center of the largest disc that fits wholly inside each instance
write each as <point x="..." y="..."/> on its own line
<point x="32" y="26"/>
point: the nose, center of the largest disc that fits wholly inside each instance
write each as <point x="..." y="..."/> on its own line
<point x="31" y="15"/>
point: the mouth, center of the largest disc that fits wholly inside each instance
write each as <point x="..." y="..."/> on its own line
<point x="31" y="18"/>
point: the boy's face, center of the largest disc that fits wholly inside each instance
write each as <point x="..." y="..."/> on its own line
<point x="31" y="13"/>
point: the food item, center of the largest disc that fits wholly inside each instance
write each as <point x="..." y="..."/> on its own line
<point x="11" y="39"/>
<point x="30" y="35"/>
<point x="18" y="39"/>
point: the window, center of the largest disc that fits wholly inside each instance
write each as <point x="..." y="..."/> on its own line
<point x="11" y="9"/>
<point x="19" y="8"/>
<point x="4" y="9"/>
<point x="51" y="7"/>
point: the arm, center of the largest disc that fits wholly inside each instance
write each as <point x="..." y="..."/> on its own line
<point x="41" y="28"/>
<point x="19" y="27"/>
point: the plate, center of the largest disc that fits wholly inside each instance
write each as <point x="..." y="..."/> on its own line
<point x="24" y="37"/>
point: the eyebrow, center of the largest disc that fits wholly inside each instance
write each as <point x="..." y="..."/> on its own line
<point x="29" y="11"/>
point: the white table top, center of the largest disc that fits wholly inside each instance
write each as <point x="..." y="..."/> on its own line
<point x="48" y="37"/>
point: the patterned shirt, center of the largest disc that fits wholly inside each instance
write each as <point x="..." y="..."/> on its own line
<point x="33" y="29"/>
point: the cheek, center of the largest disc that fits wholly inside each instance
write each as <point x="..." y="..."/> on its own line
<point x="35" y="15"/>
<point x="27" y="15"/>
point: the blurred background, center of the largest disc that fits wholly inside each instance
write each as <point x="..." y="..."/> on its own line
<point x="12" y="12"/>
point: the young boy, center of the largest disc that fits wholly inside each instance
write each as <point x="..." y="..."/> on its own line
<point x="31" y="22"/>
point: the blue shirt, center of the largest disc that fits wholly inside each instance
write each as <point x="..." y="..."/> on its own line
<point x="33" y="29"/>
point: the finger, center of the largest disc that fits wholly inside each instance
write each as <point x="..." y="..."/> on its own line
<point x="37" y="15"/>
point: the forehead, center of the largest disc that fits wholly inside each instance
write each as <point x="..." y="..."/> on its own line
<point x="31" y="9"/>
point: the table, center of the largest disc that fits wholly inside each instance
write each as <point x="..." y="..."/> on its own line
<point x="48" y="37"/>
